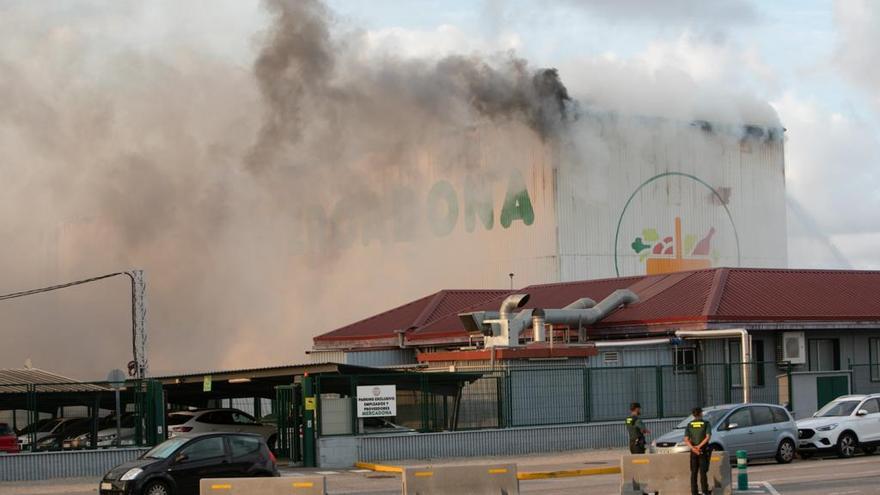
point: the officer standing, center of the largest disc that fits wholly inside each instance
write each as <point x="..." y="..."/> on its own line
<point x="636" y="429"/>
<point x="697" y="436"/>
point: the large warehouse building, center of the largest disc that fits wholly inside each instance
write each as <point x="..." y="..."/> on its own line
<point x="613" y="197"/>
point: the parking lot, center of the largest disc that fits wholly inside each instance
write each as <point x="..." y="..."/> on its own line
<point x="818" y="476"/>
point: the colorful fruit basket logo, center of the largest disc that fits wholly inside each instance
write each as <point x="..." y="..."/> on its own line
<point x="673" y="253"/>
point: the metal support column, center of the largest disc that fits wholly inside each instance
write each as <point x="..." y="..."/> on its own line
<point x="309" y="457"/>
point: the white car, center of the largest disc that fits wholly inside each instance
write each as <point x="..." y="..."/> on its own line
<point x="847" y="423"/>
<point x="107" y="433"/>
<point x="219" y="420"/>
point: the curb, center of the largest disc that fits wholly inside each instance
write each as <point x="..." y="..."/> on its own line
<point x="522" y="475"/>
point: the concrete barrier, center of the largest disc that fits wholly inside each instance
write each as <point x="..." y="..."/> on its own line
<point x="485" y="479"/>
<point x="670" y="474"/>
<point x="294" y="485"/>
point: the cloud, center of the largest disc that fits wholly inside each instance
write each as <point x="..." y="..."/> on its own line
<point x="831" y="173"/>
<point x="858" y="44"/>
<point x="439" y="42"/>
<point x="677" y="12"/>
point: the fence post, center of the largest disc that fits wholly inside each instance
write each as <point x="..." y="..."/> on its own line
<point x="508" y="422"/>
<point x="499" y="399"/>
<point x="588" y="395"/>
<point x="309" y="397"/>
<point x="352" y="383"/>
<point x="33" y="414"/>
<point x="423" y="402"/>
<point x="659" y="372"/>
<point x="727" y="383"/>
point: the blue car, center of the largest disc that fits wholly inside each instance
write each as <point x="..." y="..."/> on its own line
<point x="764" y="431"/>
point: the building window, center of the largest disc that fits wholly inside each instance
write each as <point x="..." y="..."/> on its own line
<point x="685" y="360"/>
<point x="874" y="356"/>
<point x="734" y="358"/>
<point x="824" y="354"/>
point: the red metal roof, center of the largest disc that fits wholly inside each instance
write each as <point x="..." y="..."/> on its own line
<point x="722" y="295"/>
<point x="411" y="315"/>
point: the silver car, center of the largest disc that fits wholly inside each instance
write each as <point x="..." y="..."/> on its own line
<point x="181" y="423"/>
<point x="764" y="431"/>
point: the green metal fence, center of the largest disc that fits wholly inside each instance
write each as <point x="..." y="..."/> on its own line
<point x="865" y="378"/>
<point x="73" y="416"/>
<point x="536" y="396"/>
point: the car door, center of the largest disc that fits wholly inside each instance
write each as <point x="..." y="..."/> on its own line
<point x="198" y="459"/>
<point x="867" y="426"/>
<point x="738" y="432"/>
<point x="243" y="451"/>
<point x="763" y="431"/>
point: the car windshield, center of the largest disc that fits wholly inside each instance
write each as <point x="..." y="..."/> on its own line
<point x="166" y="448"/>
<point x="838" y="408"/>
<point x="49" y="426"/>
<point x="32" y="427"/>
<point x="712" y="416"/>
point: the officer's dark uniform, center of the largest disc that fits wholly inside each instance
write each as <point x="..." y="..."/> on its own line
<point x="696" y="431"/>
<point x="636" y="430"/>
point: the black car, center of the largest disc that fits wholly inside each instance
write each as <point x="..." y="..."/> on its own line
<point x="175" y="466"/>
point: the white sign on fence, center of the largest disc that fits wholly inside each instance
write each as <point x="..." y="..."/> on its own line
<point x="377" y="401"/>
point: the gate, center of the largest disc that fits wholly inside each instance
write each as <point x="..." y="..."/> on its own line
<point x="287" y="409"/>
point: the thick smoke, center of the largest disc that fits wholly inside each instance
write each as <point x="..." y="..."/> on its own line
<point x="240" y="183"/>
<point x="318" y="88"/>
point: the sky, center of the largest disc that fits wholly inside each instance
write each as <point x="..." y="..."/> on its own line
<point x="815" y="61"/>
<point x="123" y="124"/>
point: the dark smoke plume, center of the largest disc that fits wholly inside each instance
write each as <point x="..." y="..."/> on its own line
<point x="308" y="78"/>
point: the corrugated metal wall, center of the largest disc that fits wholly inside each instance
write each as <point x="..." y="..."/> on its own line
<point x="512" y="441"/>
<point x="619" y="156"/>
<point x="48" y="465"/>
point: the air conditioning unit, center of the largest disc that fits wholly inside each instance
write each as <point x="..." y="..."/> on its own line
<point x="794" y="348"/>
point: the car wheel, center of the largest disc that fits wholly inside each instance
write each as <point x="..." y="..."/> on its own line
<point x="785" y="452"/>
<point x="846" y="445"/>
<point x="869" y="450"/>
<point x="157" y="488"/>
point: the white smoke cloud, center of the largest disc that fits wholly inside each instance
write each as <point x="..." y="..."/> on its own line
<point x="830" y="170"/>
<point x="858" y="48"/>
<point x="678" y="12"/>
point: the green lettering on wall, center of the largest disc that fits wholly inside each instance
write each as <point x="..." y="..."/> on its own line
<point x="517" y="204"/>
<point x="477" y="204"/>
<point x="442" y="208"/>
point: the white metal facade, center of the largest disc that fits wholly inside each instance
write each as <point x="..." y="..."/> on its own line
<point x="496" y="199"/>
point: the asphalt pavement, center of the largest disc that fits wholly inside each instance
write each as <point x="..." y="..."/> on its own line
<point x="829" y="476"/>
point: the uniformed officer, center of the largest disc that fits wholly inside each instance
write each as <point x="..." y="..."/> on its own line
<point x="636" y="429"/>
<point x="697" y="436"/>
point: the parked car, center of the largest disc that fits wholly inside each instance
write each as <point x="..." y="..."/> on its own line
<point x="48" y="428"/>
<point x="219" y="420"/>
<point x="62" y="436"/>
<point x="8" y="440"/>
<point x="107" y="433"/>
<point x="762" y="430"/>
<point x="175" y="466"/>
<point x="382" y="425"/>
<point x="844" y="425"/>
<point x="36" y="425"/>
